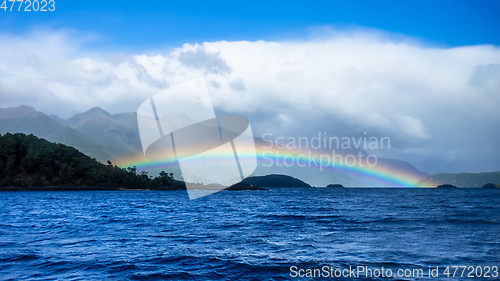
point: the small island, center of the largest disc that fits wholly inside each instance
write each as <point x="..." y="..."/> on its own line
<point x="273" y="180"/>
<point x="491" y="185"/>
<point x="335" y="185"/>
<point x="446" y="185"/>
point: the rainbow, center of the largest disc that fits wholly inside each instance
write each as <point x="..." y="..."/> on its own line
<point x="381" y="174"/>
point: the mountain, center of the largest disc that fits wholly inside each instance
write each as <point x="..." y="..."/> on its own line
<point x="24" y="119"/>
<point x="119" y="130"/>
<point x="461" y="179"/>
<point x="273" y="181"/>
<point x="105" y="136"/>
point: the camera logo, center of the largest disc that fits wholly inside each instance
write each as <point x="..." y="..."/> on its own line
<point x="180" y="125"/>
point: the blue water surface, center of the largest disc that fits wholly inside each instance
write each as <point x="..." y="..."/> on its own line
<point x="244" y="235"/>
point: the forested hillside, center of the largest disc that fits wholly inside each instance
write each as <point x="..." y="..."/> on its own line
<point x="30" y="162"/>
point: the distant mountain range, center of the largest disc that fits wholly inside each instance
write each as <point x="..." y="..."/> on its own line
<point x="114" y="137"/>
<point x="30" y="163"/>
<point x="119" y="130"/>
<point x="95" y="132"/>
<point x="461" y="179"/>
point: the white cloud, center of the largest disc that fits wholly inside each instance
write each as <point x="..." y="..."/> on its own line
<point x="419" y="96"/>
<point x="413" y="127"/>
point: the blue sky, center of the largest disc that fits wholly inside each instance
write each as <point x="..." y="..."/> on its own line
<point x="156" y="24"/>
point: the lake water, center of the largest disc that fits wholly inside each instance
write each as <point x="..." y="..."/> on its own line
<point x="247" y="235"/>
